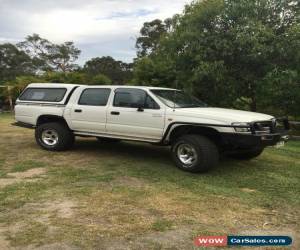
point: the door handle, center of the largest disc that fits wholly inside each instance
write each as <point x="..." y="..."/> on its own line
<point x="78" y="110"/>
<point x="115" y="112"/>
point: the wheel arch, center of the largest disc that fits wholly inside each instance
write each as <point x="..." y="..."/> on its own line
<point x="183" y="129"/>
<point x="42" y="119"/>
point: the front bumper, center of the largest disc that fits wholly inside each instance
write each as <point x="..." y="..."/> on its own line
<point x="257" y="138"/>
<point x="237" y="141"/>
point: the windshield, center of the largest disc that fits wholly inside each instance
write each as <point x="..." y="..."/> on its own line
<point x="177" y="99"/>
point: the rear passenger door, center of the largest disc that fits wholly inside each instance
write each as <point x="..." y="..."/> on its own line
<point x="134" y="113"/>
<point x="89" y="113"/>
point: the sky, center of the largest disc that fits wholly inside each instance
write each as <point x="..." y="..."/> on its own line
<point x="97" y="27"/>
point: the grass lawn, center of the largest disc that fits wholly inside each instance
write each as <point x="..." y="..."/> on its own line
<point x="130" y="195"/>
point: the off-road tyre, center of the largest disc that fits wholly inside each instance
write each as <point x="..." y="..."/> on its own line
<point x="205" y="150"/>
<point x="63" y="137"/>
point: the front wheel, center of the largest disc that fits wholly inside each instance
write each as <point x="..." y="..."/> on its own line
<point x="54" y="136"/>
<point x="195" y="153"/>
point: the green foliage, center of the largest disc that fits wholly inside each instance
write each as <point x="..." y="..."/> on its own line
<point x="155" y="72"/>
<point x="13" y="62"/>
<point x="49" y="56"/>
<point x="119" y="72"/>
<point x="55" y="77"/>
<point x="281" y="91"/>
<point x="100" y="79"/>
<point x="151" y="33"/>
<point x="234" y="53"/>
<point x="69" y="77"/>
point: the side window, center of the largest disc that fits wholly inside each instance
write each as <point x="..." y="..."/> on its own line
<point x="129" y="98"/>
<point x="43" y="94"/>
<point x="150" y="103"/>
<point x="133" y="98"/>
<point x="94" y="97"/>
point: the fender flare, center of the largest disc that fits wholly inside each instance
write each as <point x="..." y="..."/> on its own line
<point x="173" y="125"/>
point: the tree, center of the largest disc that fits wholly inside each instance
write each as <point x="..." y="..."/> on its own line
<point x="37" y="60"/>
<point x="100" y="79"/>
<point x="150" y="35"/>
<point x="13" y="88"/>
<point x="50" y="56"/>
<point x="13" y="63"/>
<point x="119" y="72"/>
<point x="227" y="51"/>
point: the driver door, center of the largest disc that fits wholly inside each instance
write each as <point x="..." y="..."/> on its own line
<point x="135" y="114"/>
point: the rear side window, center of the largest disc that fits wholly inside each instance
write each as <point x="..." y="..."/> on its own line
<point x="43" y="94"/>
<point x="94" y="97"/>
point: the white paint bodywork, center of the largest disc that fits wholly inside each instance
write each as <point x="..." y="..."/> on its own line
<point x="149" y="125"/>
<point x="28" y="112"/>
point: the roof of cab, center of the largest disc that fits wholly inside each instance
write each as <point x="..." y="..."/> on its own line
<point x="69" y="85"/>
<point x="52" y="85"/>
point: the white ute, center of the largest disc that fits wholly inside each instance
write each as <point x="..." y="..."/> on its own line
<point x="196" y="133"/>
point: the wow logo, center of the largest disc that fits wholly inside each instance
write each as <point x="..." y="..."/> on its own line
<point x="207" y="241"/>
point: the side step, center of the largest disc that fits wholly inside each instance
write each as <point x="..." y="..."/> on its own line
<point x="23" y="125"/>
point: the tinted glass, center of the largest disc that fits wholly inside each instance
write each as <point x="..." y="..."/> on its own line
<point x="43" y="94"/>
<point x="177" y="99"/>
<point x="130" y="98"/>
<point x="94" y="97"/>
<point x="150" y="103"/>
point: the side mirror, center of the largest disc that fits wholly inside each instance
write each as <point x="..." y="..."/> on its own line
<point x="138" y="106"/>
<point x="140" y="109"/>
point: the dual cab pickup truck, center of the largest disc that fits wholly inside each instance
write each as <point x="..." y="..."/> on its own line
<point x="196" y="133"/>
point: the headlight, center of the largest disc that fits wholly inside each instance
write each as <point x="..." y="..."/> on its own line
<point x="244" y="127"/>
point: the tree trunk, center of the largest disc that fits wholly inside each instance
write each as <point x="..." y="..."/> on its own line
<point x="253" y="106"/>
<point x="10" y="99"/>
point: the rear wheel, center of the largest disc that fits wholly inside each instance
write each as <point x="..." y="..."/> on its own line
<point x="247" y="154"/>
<point x="54" y="136"/>
<point x="194" y="153"/>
